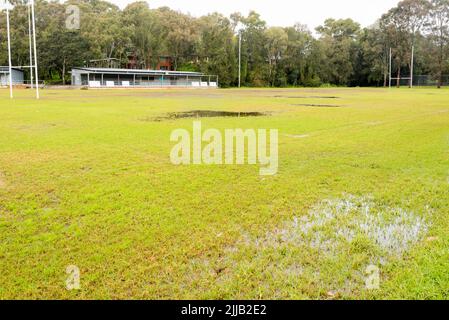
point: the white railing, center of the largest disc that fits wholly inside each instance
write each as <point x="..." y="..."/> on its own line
<point x="26" y="83"/>
<point x="150" y="84"/>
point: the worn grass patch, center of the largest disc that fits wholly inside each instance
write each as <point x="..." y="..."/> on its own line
<point x="2" y="180"/>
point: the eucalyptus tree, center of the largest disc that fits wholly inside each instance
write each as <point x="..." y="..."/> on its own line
<point x="275" y="45"/>
<point x="137" y="20"/>
<point x="339" y="39"/>
<point x="181" y="36"/>
<point x="254" y="51"/>
<point x="376" y="45"/>
<point x="216" y="48"/>
<point x="301" y="51"/>
<point x="438" y="34"/>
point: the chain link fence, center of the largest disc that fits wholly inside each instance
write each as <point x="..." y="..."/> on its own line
<point x="427" y="80"/>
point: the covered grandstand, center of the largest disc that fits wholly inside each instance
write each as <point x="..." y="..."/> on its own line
<point x="140" y="78"/>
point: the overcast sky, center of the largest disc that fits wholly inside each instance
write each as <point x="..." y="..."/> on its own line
<point x="283" y="12"/>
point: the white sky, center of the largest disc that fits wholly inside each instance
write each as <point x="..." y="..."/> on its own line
<point x="283" y="12"/>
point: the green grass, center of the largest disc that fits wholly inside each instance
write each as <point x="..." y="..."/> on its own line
<point x="86" y="180"/>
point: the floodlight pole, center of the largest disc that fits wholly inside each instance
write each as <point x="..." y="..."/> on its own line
<point x="30" y="44"/>
<point x="240" y="58"/>
<point x="9" y="53"/>
<point x="389" y="72"/>
<point x="412" y="66"/>
<point x="35" y="51"/>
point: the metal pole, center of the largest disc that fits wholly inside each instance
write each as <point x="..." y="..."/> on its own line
<point x="412" y="66"/>
<point x="389" y="74"/>
<point x="240" y="58"/>
<point x="35" y="50"/>
<point x="31" y="46"/>
<point x="9" y="53"/>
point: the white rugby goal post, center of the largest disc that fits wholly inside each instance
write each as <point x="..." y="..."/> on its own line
<point x="398" y="79"/>
<point x="5" y="5"/>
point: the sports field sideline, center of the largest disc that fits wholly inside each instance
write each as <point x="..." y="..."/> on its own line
<point x="86" y="181"/>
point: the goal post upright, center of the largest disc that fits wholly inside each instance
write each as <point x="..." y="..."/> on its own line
<point x="33" y="22"/>
<point x="399" y="77"/>
<point x="9" y="51"/>
<point x="30" y="45"/>
<point x="6" y="5"/>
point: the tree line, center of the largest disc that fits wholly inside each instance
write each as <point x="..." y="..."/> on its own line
<point x="339" y="52"/>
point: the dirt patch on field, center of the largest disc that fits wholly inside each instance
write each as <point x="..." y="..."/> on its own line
<point x="196" y="114"/>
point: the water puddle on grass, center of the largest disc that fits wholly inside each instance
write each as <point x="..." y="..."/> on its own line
<point x="331" y="223"/>
<point x="197" y="114"/>
<point x="330" y="246"/>
<point x="214" y="114"/>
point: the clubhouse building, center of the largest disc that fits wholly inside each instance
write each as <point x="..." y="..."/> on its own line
<point x="140" y="78"/>
<point x="17" y="76"/>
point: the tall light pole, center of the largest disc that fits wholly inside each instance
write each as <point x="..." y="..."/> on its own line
<point x="35" y="51"/>
<point x="412" y="66"/>
<point x="30" y="44"/>
<point x="240" y="58"/>
<point x="389" y="69"/>
<point x="9" y="50"/>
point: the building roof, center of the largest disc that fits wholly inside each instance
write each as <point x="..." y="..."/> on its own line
<point x="138" y="71"/>
<point x="6" y="69"/>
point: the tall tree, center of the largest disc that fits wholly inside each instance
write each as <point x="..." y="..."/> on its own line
<point x="254" y="56"/>
<point x="376" y="45"/>
<point x="300" y="53"/>
<point x="216" y="48"/>
<point x="438" y="30"/>
<point x="275" y="45"/>
<point x="339" y="38"/>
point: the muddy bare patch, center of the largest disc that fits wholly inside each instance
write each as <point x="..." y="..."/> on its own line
<point x="198" y="114"/>
<point x="214" y="114"/>
<point x="316" y="105"/>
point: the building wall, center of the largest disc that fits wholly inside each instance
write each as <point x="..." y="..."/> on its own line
<point x="76" y="78"/>
<point x="4" y="79"/>
<point x="165" y="63"/>
<point x="17" y="77"/>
